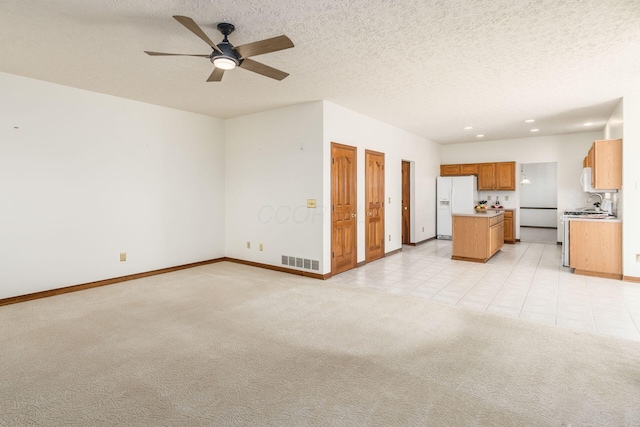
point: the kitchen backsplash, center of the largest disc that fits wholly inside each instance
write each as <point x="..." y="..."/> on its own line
<point x="491" y="196"/>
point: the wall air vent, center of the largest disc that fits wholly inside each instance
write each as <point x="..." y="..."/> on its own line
<point x="307" y="264"/>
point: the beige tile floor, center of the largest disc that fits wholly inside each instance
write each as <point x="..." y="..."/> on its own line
<point x="538" y="235"/>
<point x="525" y="281"/>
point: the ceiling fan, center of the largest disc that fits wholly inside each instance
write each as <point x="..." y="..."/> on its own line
<point x="225" y="56"/>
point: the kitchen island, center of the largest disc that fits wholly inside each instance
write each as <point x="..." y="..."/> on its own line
<point x="477" y="236"/>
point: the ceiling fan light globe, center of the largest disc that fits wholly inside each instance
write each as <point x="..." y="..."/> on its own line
<point x="224" y="63"/>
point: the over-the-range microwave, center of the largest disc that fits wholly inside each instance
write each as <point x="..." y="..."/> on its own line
<point x="585" y="182"/>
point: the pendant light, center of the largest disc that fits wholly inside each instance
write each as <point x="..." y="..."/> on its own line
<point x="525" y="180"/>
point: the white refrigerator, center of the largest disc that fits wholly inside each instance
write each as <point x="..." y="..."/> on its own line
<point x="455" y="194"/>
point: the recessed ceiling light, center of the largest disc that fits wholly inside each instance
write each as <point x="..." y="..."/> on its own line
<point x="589" y="124"/>
<point x="468" y="127"/>
<point x="535" y="130"/>
<point x="480" y="136"/>
<point x="529" y="120"/>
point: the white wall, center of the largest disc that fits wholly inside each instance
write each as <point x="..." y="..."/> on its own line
<point x="87" y="176"/>
<point x="273" y="165"/>
<point x="350" y="128"/>
<point x="567" y="150"/>
<point x="630" y="180"/>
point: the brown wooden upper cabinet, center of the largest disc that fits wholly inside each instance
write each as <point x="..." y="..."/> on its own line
<point x="506" y="176"/>
<point x="486" y="176"/>
<point x="449" y="170"/>
<point x="605" y="160"/>
<point x="491" y="176"/>
<point x="469" y="169"/>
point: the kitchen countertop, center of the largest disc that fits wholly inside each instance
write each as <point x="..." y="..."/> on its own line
<point x="490" y="214"/>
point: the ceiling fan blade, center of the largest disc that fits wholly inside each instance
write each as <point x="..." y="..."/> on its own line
<point x="191" y="25"/>
<point x="264" y="46"/>
<point x="265" y="70"/>
<point x="216" y="76"/>
<point x="172" y="54"/>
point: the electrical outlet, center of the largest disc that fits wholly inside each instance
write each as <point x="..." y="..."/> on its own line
<point x="261" y="247"/>
<point x="248" y="245"/>
<point x="488" y="198"/>
<point x="389" y="237"/>
<point x="311" y="203"/>
<point x="123" y="256"/>
<point x="506" y="198"/>
<point x="637" y="257"/>
<point x="389" y="199"/>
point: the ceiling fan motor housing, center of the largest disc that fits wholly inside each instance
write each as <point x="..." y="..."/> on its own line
<point x="227" y="52"/>
<point x="225" y="47"/>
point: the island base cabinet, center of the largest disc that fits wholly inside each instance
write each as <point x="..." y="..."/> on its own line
<point x="496" y="238"/>
<point x="477" y="237"/>
<point x="595" y="248"/>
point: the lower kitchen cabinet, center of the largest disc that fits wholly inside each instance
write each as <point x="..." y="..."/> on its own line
<point x="509" y="229"/>
<point x="595" y="248"/>
<point x="477" y="237"/>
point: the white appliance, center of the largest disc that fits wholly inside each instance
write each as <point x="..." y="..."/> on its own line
<point x="585" y="182"/>
<point x="455" y="194"/>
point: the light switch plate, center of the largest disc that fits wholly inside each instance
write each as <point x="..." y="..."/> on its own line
<point x="123" y="256"/>
<point x="311" y="203"/>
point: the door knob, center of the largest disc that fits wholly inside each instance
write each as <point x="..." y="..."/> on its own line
<point x="405" y="208"/>
<point x="369" y="213"/>
<point x="353" y="215"/>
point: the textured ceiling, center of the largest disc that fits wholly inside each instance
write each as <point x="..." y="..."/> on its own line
<point x="430" y="67"/>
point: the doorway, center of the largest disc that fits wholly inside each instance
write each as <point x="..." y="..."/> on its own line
<point x="539" y="202"/>
<point x="374" y="204"/>
<point x="343" y="208"/>
<point x="406" y="202"/>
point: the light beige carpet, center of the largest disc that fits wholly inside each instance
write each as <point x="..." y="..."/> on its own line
<point x="227" y="344"/>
